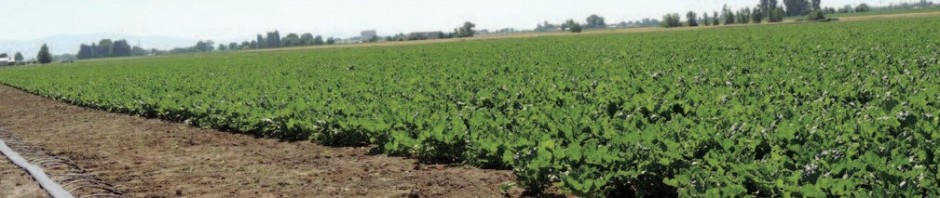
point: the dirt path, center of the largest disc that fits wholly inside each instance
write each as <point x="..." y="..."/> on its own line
<point x="15" y="183"/>
<point x="152" y="158"/>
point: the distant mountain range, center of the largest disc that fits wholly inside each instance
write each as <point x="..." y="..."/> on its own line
<point x="69" y="44"/>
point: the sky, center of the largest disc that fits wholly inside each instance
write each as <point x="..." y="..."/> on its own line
<point x="232" y="20"/>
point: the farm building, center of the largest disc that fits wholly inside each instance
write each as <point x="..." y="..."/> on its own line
<point x="7" y="61"/>
<point x="367" y="35"/>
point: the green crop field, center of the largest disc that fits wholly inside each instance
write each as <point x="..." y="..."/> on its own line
<point x="812" y="109"/>
<point x="886" y="12"/>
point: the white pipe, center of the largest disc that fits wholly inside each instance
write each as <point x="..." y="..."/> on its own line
<point x="50" y="186"/>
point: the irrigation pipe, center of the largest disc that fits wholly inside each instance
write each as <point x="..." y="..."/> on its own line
<point x="51" y="187"/>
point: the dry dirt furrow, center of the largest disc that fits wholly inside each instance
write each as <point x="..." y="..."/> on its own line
<point x="152" y="158"/>
<point x="15" y="182"/>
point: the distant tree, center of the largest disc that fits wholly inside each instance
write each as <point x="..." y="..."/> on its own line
<point x="204" y="46"/>
<point x="233" y="46"/>
<point x="691" y="19"/>
<point x="104" y="48"/>
<point x="846" y="9"/>
<point x="546" y="27"/>
<point x="727" y="15"/>
<point x="291" y="40"/>
<point x="816" y="4"/>
<point x="715" y="18"/>
<point x="44" y="56"/>
<point x="222" y="47"/>
<point x="815" y="15"/>
<point x="260" y="43"/>
<point x="84" y="51"/>
<point x="306" y="39"/>
<point x="595" y="21"/>
<point x="209" y="46"/>
<point x="863" y="7"/>
<point x="397" y="37"/>
<point x="757" y="15"/>
<point x="273" y="39"/>
<point x="94" y="51"/>
<point x="138" y="51"/>
<point x="120" y="48"/>
<point x="318" y="40"/>
<point x="744" y="15"/>
<point x="671" y="20"/>
<point x="705" y="20"/>
<point x="18" y="57"/>
<point x="776" y="15"/>
<point x="246" y="45"/>
<point x="466" y="30"/>
<point x="277" y="39"/>
<point x="766" y="6"/>
<point x="330" y="41"/>
<point x="572" y="26"/>
<point x="63" y="57"/>
<point x="829" y="10"/>
<point x="796" y="7"/>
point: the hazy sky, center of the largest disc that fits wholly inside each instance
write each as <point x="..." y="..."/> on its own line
<point x="242" y="19"/>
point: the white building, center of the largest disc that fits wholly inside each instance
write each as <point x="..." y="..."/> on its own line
<point x="367" y="35"/>
<point x="7" y="61"/>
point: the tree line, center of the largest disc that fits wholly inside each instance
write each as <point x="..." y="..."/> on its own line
<point x="591" y="22"/>
<point x="274" y="40"/>
<point x="267" y="41"/>
<point x="43" y="57"/>
<point x="109" y="48"/>
<point x="766" y="10"/>
<point x="120" y="48"/>
<point x="17" y="58"/>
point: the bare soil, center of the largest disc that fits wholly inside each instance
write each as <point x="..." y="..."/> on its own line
<point x="15" y="182"/>
<point x="153" y="158"/>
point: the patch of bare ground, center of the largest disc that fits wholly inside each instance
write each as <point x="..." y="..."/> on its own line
<point x="16" y="183"/>
<point x="152" y="158"/>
